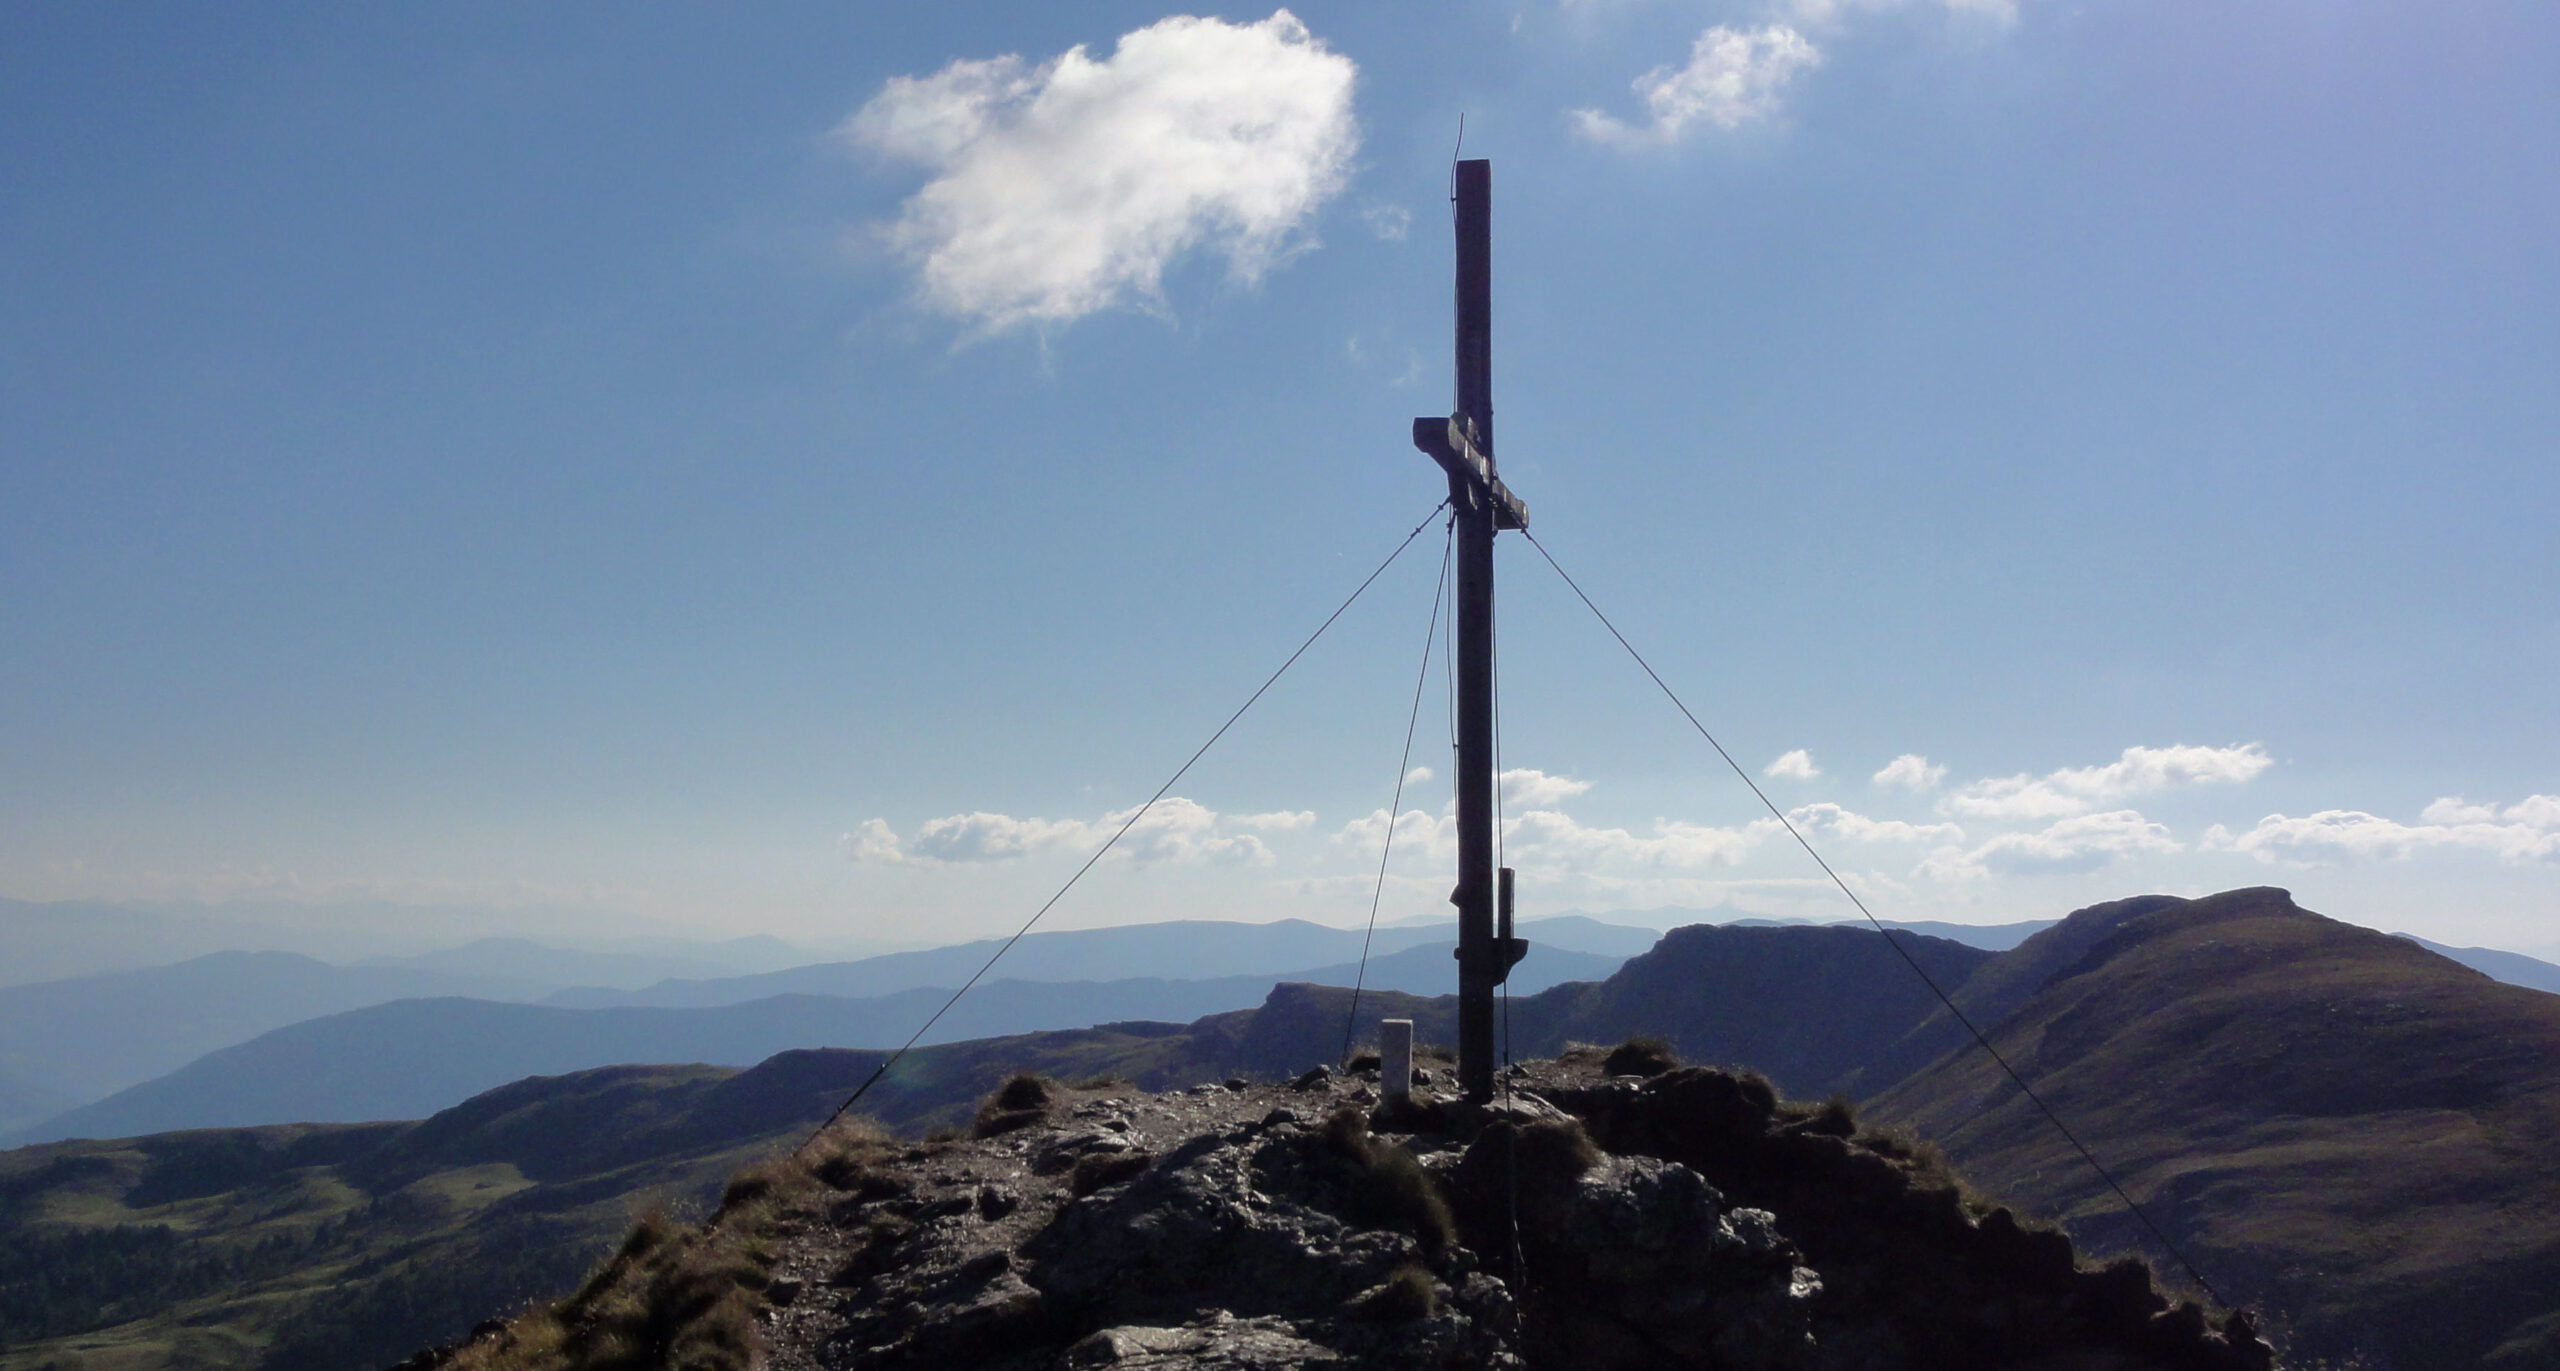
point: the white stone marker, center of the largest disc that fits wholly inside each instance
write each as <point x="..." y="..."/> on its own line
<point x="1395" y="1057"/>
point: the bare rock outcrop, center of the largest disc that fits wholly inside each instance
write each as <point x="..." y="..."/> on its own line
<point x="1589" y="1221"/>
<point x="1593" y="1223"/>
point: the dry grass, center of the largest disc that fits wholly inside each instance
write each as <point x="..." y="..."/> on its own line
<point x="1388" y="1187"/>
<point x="673" y="1298"/>
<point x="1404" y="1296"/>
<point x="1022" y="1101"/>
<point x="1642" y="1055"/>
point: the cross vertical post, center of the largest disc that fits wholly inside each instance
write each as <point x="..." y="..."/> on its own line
<point x="1463" y="446"/>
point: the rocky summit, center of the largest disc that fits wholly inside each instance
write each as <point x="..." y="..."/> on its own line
<point x="1594" y="1217"/>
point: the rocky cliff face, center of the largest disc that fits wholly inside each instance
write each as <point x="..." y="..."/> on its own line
<point x="1686" y="1219"/>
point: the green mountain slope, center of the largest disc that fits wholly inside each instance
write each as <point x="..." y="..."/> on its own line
<point x="2331" y="1120"/>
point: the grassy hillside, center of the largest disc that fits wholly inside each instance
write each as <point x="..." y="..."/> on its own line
<point x="323" y="1246"/>
<point x="2334" y="1121"/>
<point x="329" y="1246"/>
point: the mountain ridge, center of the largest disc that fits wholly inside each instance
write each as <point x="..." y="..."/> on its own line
<point x="2321" y="1114"/>
<point x="2336" y="1122"/>
<point x="408" y="1058"/>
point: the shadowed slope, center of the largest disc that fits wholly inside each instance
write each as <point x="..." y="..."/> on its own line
<point x="2335" y="1121"/>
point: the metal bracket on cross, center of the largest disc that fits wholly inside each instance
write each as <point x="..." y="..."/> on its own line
<point x="1451" y="443"/>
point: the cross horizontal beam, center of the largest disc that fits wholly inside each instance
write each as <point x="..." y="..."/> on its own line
<point x="1449" y="442"/>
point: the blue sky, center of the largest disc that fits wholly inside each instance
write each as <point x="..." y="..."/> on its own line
<point x="803" y="470"/>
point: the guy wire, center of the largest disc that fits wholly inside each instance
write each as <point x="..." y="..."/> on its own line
<point x="1122" y="831"/>
<point x="1395" y="807"/>
<point x="1979" y="1037"/>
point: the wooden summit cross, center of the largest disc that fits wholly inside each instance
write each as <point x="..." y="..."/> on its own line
<point x="1462" y="443"/>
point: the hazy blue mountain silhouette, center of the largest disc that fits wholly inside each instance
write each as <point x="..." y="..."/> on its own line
<point x="2514" y="968"/>
<point x="89" y="1036"/>
<point x="52" y="940"/>
<point x="555" y="968"/>
<point x="23" y="1102"/>
<point x="78" y="1040"/>
<point x="1183" y="949"/>
<point x="410" y="1058"/>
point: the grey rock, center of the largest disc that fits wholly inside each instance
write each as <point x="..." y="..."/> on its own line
<point x="1227" y="1345"/>
<point x="1061" y="1154"/>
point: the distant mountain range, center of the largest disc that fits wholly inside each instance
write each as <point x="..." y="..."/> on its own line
<point x="252" y="1038"/>
<point x="51" y="940"/>
<point x="2339" y="1126"/>
<point x="1193" y="949"/>
<point x="2514" y="968"/>
<point x="542" y="968"/>
<point x="92" y="1035"/>
<point x="69" y="1044"/>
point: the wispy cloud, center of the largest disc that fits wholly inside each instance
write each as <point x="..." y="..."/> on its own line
<point x="1832" y="15"/>
<point x="1733" y="77"/>
<point x="1737" y="76"/>
<point x="1069" y="187"/>
<point x="1175" y="830"/>
<point x="2528" y="831"/>
<point x="2076" y="790"/>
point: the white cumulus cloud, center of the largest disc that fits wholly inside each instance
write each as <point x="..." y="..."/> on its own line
<point x="1733" y="77"/>
<point x="1910" y="771"/>
<point x="1831" y="821"/>
<point x="1542" y="840"/>
<point x="2076" y="790"/>
<point x="873" y="841"/>
<point x="1525" y="788"/>
<point x="1794" y="766"/>
<point x="1554" y="841"/>
<point x="2081" y="843"/>
<point x="980" y="836"/>
<point x="1068" y="187"/>
<point x="2525" y="832"/>
<point x="1416" y="831"/>
<point x="2453" y="809"/>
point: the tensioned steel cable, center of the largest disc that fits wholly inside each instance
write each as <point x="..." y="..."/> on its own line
<point x="1395" y="807"/>
<point x="1123" y="830"/>
<point x="1979" y="1037"/>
